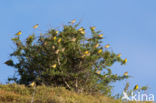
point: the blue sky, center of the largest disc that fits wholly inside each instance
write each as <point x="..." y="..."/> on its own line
<point x="128" y="25"/>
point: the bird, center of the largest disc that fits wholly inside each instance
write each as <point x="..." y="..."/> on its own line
<point x="125" y="61"/>
<point x="99" y="51"/>
<point x="92" y="28"/>
<point x="107" y="46"/>
<point x="83" y="56"/>
<point x="126" y="74"/>
<point x="81" y="30"/>
<point x="57" y="51"/>
<point x="35" y="26"/>
<point x="53" y="47"/>
<point x="100" y="35"/>
<point x="73" y="39"/>
<point x="54" y="37"/>
<point x="97" y="45"/>
<point x="119" y="55"/>
<point x="63" y="49"/>
<point x="53" y="66"/>
<point x="98" y="72"/>
<point x="19" y="33"/>
<point x="32" y="84"/>
<point x="73" y="21"/>
<point x="87" y="53"/>
<point x="136" y="87"/>
<point x="59" y="40"/>
<point x="57" y="32"/>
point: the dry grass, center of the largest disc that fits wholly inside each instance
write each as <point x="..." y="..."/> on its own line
<point x="13" y="93"/>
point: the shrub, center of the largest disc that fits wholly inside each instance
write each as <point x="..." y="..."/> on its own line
<point x="66" y="58"/>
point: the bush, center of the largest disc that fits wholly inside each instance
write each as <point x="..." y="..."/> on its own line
<point x="66" y="58"/>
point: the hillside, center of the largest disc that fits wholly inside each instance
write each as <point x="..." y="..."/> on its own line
<point x="13" y="93"/>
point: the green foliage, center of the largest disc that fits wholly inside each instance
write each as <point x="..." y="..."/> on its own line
<point x="66" y="58"/>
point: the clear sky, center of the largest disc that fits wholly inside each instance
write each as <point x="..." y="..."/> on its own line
<point x="128" y="25"/>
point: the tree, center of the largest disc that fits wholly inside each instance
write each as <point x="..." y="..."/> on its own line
<point x="66" y="58"/>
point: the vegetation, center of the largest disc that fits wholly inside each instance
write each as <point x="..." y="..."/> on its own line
<point x="66" y="58"/>
<point x="13" y="93"/>
<point x="66" y="66"/>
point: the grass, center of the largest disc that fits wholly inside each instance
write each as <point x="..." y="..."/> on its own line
<point x="13" y="93"/>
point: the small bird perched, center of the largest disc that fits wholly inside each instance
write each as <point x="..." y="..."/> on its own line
<point x="87" y="53"/>
<point x="57" y="51"/>
<point x="100" y="35"/>
<point x="92" y="28"/>
<point x="63" y="49"/>
<point x="35" y="26"/>
<point x="53" y="47"/>
<point x="126" y="74"/>
<point x="53" y="66"/>
<point x="73" y="21"/>
<point x="107" y="46"/>
<point x="83" y="56"/>
<point x="59" y="40"/>
<point x="97" y="45"/>
<point x="57" y="32"/>
<point x="54" y="37"/>
<point x="99" y="51"/>
<point x="73" y="39"/>
<point x="136" y="87"/>
<point x="19" y="33"/>
<point x="82" y="30"/>
<point x="125" y="60"/>
<point x="119" y="55"/>
<point x="32" y="84"/>
<point x="98" y="72"/>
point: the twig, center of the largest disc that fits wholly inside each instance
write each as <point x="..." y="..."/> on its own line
<point x="67" y="85"/>
<point x="32" y="100"/>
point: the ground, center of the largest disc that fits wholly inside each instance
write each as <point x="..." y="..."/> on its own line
<point x="13" y="93"/>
